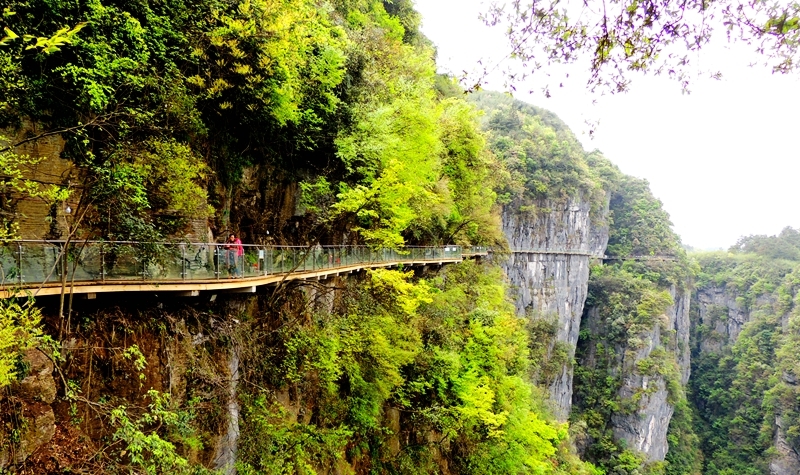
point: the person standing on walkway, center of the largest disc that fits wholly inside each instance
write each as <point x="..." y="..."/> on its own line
<point x="234" y="252"/>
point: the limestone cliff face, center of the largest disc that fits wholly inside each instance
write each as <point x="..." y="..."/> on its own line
<point x="549" y="273"/>
<point x="645" y="427"/>
<point x="718" y="309"/>
<point x="787" y="461"/>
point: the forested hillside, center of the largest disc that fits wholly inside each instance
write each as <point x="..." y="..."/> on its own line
<point x="542" y="155"/>
<point x="683" y="363"/>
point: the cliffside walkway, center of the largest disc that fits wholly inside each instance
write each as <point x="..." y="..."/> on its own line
<point x="560" y="252"/>
<point x="92" y="267"/>
<point x="580" y="252"/>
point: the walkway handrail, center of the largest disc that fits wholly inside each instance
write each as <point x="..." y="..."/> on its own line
<point x="28" y="263"/>
<point x="567" y="252"/>
<point x="583" y="252"/>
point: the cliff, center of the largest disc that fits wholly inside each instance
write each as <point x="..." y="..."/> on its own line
<point x="744" y="356"/>
<point x="373" y="372"/>
<point x="632" y="373"/>
<point x="645" y="428"/>
<point x="347" y="136"/>
<point x="576" y="229"/>
<point x="550" y="284"/>
<point x="721" y="314"/>
<point x="632" y="358"/>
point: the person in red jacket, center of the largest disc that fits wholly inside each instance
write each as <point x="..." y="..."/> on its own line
<point x="233" y="255"/>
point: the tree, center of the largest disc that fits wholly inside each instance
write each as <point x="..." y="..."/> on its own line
<point x="786" y="245"/>
<point x="650" y="36"/>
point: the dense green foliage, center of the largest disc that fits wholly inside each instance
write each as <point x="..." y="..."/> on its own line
<point x="143" y="448"/>
<point x="627" y="308"/>
<point x="339" y="98"/>
<point x="628" y="295"/>
<point x="408" y="376"/>
<point x="177" y="112"/>
<point x="174" y="112"/>
<point x="19" y="331"/>
<point x="785" y="245"/>
<point x="685" y="456"/>
<point x="641" y="226"/>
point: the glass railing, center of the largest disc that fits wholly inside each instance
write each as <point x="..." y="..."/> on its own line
<point x="37" y="262"/>
<point x="475" y="250"/>
<point x="422" y="253"/>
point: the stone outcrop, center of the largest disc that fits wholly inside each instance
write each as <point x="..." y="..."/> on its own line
<point x="719" y="311"/>
<point x="787" y="460"/>
<point x="29" y="411"/>
<point x="225" y="453"/>
<point x="549" y="273"/>
<point x="38" y="219"/>
<point x="645" y="429"/>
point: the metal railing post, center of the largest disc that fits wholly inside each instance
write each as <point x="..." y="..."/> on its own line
<point x="102" y="263"/>
<point x="19" y="263"/>
<point x="217" y="269"/>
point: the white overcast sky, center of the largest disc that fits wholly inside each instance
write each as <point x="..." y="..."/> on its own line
<point x="724" y="159"/>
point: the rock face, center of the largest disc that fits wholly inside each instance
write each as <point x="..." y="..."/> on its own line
<point x="718" y="309"/>
<point x="680" y="320"/>
<point x="549" y="273"/>
<point x="646" y="405"/>
<point x="31" y="215"/>
<point x="645" y="428"/>
<point x="33" y="420"/>
<point x="787" y="460"/>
